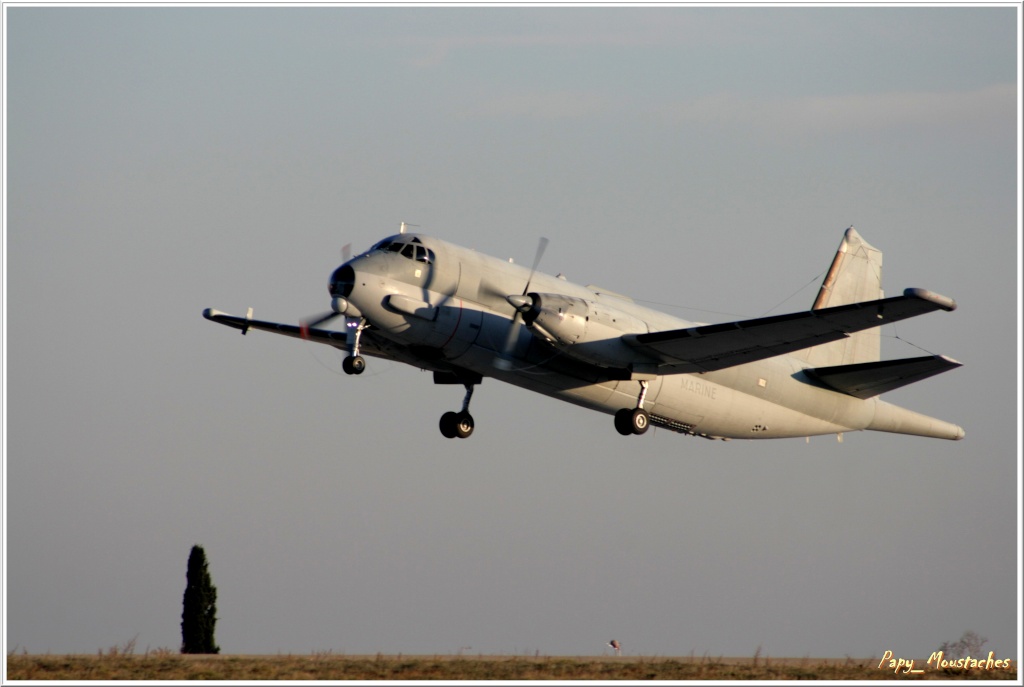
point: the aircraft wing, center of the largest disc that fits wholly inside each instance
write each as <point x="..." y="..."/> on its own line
<point x="326" y="336"/>
<point x="718" y="346"/>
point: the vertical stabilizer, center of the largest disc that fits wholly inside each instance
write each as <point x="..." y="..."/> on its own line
<point x="855" y="276"/>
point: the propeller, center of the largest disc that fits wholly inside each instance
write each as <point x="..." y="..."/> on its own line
<point x="317" y="320"/>
<point x="306" y="325"/>
<point x="522" y="304"/>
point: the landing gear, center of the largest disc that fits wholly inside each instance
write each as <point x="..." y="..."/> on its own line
<point x="634" y="420"/>
<point x="354" y="364"/>
<point x="459" y="425"/>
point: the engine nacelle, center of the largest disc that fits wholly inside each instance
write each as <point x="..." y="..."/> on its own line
<point x="587" y="330"/>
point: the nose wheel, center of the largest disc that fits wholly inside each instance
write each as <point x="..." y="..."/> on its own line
<point x="634" y="420"/>
<point x="459" y="425"/>
<point x="354" y="364"/>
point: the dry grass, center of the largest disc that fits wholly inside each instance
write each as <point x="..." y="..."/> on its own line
<point x="120" y="663"/>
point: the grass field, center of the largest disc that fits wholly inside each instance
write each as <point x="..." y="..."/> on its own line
<point x="164" y="665"/>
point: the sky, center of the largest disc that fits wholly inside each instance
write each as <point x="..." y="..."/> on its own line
<point x="705" y="160"/>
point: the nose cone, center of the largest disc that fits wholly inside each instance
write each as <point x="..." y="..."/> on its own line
<point x="342" y="281"/>
<point x="520" y="303"/>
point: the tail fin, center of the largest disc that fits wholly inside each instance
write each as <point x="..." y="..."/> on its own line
<point x="855" y="276"/>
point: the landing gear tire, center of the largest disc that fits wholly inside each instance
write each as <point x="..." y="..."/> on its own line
<point x="632" y="421"/>
<point x="623" y="421"/>
<point x="639" y="421"/>
<point x="456" y="425"/>
<point x="464" y="425"/>
<point x="448" y="422"/>
<point x="353" y="365"/>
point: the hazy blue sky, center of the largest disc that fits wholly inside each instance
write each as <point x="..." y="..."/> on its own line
<point x="163" y="160"/>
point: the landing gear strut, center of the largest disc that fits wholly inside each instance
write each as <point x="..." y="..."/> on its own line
<point x="459" y="424"/>
<point x="354" y="364"/>
<point x="634" y="420"/>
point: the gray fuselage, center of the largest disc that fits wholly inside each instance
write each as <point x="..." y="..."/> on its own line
<point x="443" y="307"/>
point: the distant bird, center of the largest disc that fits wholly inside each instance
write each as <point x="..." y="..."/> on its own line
<point x="615" y="645"/>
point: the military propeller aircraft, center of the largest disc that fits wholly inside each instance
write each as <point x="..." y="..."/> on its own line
<point x="418" y="300"/>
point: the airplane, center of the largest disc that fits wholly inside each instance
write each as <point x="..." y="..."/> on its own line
<point x="464" y="315"/>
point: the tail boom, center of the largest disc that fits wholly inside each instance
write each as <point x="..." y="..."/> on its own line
<point x="892" y="418"/>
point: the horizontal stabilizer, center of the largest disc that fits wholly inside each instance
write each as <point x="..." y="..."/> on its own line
<point x="865" y="380"/>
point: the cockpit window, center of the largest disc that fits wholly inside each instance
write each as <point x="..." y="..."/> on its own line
<point x="414" y="249"/>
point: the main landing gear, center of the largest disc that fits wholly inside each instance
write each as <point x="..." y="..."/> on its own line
<point x="634" y="420"/>
<point x="354" y="364"/>
<point x="459" y="424"/>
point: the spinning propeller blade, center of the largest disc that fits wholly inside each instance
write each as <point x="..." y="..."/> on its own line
<point x="317" y="320"/>
<point x="504" y="360"/>
<point x="541" y="247"/>
<point x="306" y="325"/>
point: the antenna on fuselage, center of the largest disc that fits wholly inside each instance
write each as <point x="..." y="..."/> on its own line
<point x="403" y="225"/>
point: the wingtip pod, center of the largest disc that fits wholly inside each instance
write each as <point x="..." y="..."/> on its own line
<point x="944" y="302"/>
<point x="229" y="320"/>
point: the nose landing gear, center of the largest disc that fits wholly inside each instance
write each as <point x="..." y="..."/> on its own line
<point x="354" y="364"/>
<point x="459" y="425"/>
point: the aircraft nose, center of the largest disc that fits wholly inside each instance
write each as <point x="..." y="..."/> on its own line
<point x="342" y="281"/>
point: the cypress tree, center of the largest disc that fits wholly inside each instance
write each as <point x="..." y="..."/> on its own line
<point x="200" y="607"/>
